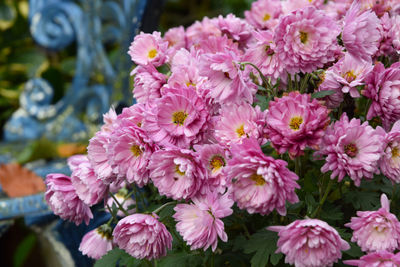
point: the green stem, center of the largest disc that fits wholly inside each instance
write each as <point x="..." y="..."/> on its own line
<point x="113" y="217"/>
<point x="163" y="206"/>
<point x="119" y="204"/>
<point x="297" y="166"/>
<point x="367" y="108"/>
<point x="322" y="201"/>
<point x="246" y="231"/>
<point x="304" y="82"/>
<point x="212" y="259"/>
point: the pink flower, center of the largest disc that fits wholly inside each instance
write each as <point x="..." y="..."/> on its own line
<point x="376" y="259"/>
<point x="390" y="160"/>
<point x="109" y="120"/>
<point x="395" y="31"/>
<point x="176" y="38"/>
<point x="97" y="242"/>
<point x="148" y="82"/>
<point x="74" y="161"/>
<point x="126" y="203"/>
<point x="238" y="122"/>
<point x="383" y="87"/>
<point x="148" y="49"/>
<point x="352" y="149"/>
<point x="134" y="115"/>
<point x="387" y="34"/>
<point x="264" y="14"/>
<point x="89" y="188"/>
<point x="289" y="6"/>
<point x="376" y="230"/>
<point x="143" y="236"/>
<point x="200" y="223"/>
<point x="177" y="173"/>
<point x="361" y="32"/>
<point x="201" y="31"/>
<point x="309" y="243"/>
<point x="295" y="122"/>
<point x="235" y="28"/>
<point x="177" y="119"/>
<point x="329" y="82"/>
<point x="260" y="183"/>
<point x="306" y="40"/>
<point x="63" y="200"/>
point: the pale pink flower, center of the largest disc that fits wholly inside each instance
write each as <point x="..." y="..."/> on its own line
<point x="176" y="38"/>
<point x="96" y="243"/>
<point x="289" y="6"/>
<point x="148" y="49"/>
<point x="109" y="120"/>
<point x="217" y="44"/>
<point x="63" y="200"/>
<point x="142" y="236"/>
<point x="395" y="31"/>
<point x="147" y="83"/>
<point x="376" y="230"/>
<point x="199" y="31"/>
<point x="309" y="243"/>
<point x="390" y="160"/>
<point x="134" y="114"/>
<point x="380" y="7"/>
<point x="295" y="122"/>
<point x="177" y="173"/>
<point x="264" y="14"/>
<point x="74" y="161"/>
<point x="376" y="259"/>
<point x="387" y="36"/>
<point x="260" y="183"/>
<point x="200" y="223"/>
<point x="235" y="28"/>
<point x="306" y="40"/>
<point x="352" y="149"/>
<point x="329" y="82"/>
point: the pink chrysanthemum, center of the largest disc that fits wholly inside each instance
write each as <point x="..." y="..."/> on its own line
<point x="199" y="31"/>
<point x="376" y="259"/>
<point x="395" y="31"/>
<point x="148" y="49"/>
<point x="177" y="119"/>
<point x="134" y="114"/>
<point x="97" y="242"/>
<point x="306" y="40"/>
<point x="89" y="188"/>
<point x="376" y="230"/>
<point x="387" y="36"/>
<point x="74" y="161"/>
<point x="383" y="87"/>
<point x="264" y="14"/>
<point x="176" y="38"/>
<point x="309" y="243"/>
<point x="217" y="44"/>
<point x="390" y="161"/>
<point x="329" y="82"/>
<point x="142" y="236"/>
<point x="177" y="173"/>
<point x="361" y="32"/>
<point x="109" y="120"/>
<point x="63" y="200"/>
<point x="235" y="28"/>
<point x="238" y="122"/>
<point x="295" y="122"/>
<point x="260" y="183"/>
<point x="352" y="149"/>
<point x="148" y="82"/>
<point x="200" y="223"/>
<point x="289" y="6"/>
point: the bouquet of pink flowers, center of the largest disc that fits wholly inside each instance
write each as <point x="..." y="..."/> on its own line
<point x="253" y="141"/>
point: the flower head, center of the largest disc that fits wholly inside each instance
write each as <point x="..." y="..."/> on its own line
<point x="390" y="161"/>
<point x="264" y="14"/>
<point x="97" y="242"/>
<point x="148" y="83"/>
<point x="376" y="259"/>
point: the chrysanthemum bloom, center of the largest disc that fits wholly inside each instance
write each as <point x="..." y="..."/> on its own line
<point x="199" y="31"/>
<point x="177" y="119"/>
<point x="328" y="82"/>
<point x="295" y="122"/>
<point x="74" y="161"/>
<point x="63" y="200"/>
<point x="376" y="230"/>
<point x="390" y="160"/>
<point x="387" y="36"/>
<point x="376" y="259"/>
<point x="97" y="242"/>
<point x="142" y="236"/>
<point x="147" y="83"/>
<point x="176" y="38"/>
<point x="235" y="28"/>
<point x="238" y="122"/>
<point x="134" y="114"/>
<point x="125" y="202"/>
<point x="200" y="223"/>
<point x="361" y="32"/>
<point x="395" y="31"/>
<point x="264" y="14"/>
<point x="383" y="88"/>
<point x="129" y="153"/>
<point x="227" y="82"/>
<point x="380" y="7"/>
<point x="306" y="40"/>
<point x="352" y="149"/>
<point x="89" y="188"/>
<point x="260" y="183"/>
<point x="289" y="6"/>
<point x="217" y="44"/>
<point x="309" y="243"/>
<point x="177" y="173"/>
<point x="148" y="49"/>
<point x="109" y="118"/>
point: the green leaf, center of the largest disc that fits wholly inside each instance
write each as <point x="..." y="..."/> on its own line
<point x="322" y="94"/>
<point x="180" y="259"/>
<point x="364" y="200"/>
<point x="117" y="256"/>
<point x="263" y="243"/>
<point x="275" y="258"/>
<point x="23" y="250"/>
<point x="263" y="101"/>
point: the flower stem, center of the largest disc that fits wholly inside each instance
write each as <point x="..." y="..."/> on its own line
<point x="119" y="204"/>
<point x="163" y="206"/>
<point x="297" y="166"/>
<point x="322" y="201"/>
<point x="113" y="217"/>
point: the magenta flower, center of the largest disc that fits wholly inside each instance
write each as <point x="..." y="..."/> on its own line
<point x="148" y="83"/>
<point x="309" y="243"/>
<point x="177" y="173"/>
<point x="264" y="14"/>
<point x="376" y="230"/>
<point x="395" y="31"/>
<point x="63" y="200"/>
<point x="148" y="49"/>
<point x="260" y="183"/>
<point x="97" y="242"/>
<point x="142" y="236"/>
<point x="200" y="223"/>
<point x="306" y="40"/>
<point x="295" y="122"/>
<point x="352" y="149"/>
<point x="390" y="160"/>
<point x="376" y="259"/>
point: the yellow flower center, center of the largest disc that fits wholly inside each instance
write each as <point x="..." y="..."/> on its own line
<point x="350" y="76"/>
<point x="152" y="53"/>
<point x="179" y="117"/>
<point x="395" y="152"/>
<point x="295" y="123"/>
<point x="266" y="17"/>
<point x="351" y="150"/>
<point x="240" y="131"/>
<point x="303" y="37"/>
<point x="190" y="84"/>
<point x="178" y="171"/>
<point x="216" y="163"/>
<point x="136" y="151"/>
<point x="258" y="179"/>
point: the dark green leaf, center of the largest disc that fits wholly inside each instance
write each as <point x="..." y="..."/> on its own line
<point x="275" y="258"/>
<point x="263" y="243"/>
<point x="111" y="258"/>
<point x="180" y="259"/>
<point x="263" y="101"/>
<point x="23" y="250"/>
<point x="322" y="94"/>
